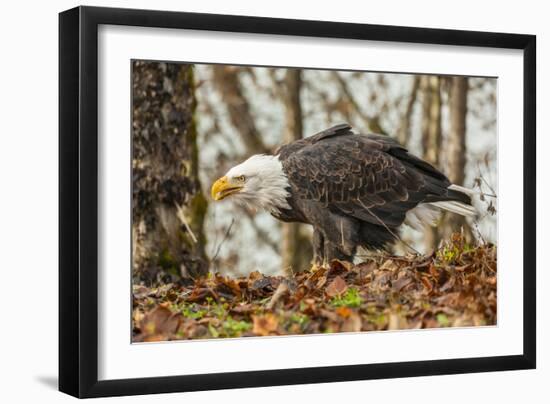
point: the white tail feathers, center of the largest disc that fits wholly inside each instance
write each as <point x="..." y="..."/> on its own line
<point x="464" y="190"/>
<point x="421" y="216"/>
<point x="456" y="207"/>
<point x="459" y="207"/>
<point x="428" y="214"/>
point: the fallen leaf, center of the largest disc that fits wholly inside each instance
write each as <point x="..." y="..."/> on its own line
<point x="140" y="291"/>
<point x="389" y="265"/>
<point x="352" y="323"/>
<point x="344" y="311"/>
<point x="448" y="285"/>
<point x="397" y="322"/>
<point x="401" y="282"/>
<point x="331" y="315"/>
<point x="365" y="268"/>
<point x="337" y="287"/>
<point x="264" y="324"/>
<point x="434" y="271"/>
<point x="161" y="321"/>
<point x="427" y="284"/>
<point x="337" y="268"/>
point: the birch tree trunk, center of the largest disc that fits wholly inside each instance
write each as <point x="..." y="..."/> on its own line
<point x="168" y="206"/>
<point x="296" y="249"/>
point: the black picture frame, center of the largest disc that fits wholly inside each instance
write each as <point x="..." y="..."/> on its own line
<point x="78" y="200"/>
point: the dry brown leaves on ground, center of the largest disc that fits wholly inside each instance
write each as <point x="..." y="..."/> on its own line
<point x="455" y="286"/>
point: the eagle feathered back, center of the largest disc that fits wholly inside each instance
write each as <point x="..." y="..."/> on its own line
<point x="371" y="178"/>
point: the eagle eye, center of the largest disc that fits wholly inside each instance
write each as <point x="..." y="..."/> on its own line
<point x="241" y="178"/>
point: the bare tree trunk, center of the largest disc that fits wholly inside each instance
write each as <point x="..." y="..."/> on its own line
<point x="168" y="206"/>
<point x="456" y="149"/>
<point x="296" y="249"/>
<point x="456" y="146"/>
<point x="431" y="134"/>
<point x="226" y="79"/>
<point x="405" y="126"/>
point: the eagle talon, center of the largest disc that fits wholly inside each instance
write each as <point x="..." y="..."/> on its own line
<point x="316" y="267"/>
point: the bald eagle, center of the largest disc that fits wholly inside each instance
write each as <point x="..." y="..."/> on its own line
<point x="355" y="190"/>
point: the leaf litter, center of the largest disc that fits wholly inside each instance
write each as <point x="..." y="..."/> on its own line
<point x="456" y="286"/>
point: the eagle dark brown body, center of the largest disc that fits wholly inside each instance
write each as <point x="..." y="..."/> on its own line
<point x="355" y="190"/>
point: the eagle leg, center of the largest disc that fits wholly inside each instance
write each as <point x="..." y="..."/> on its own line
<point x="335" y="252"/>
<point x="340" y="238"/>
<point x="318" y="242"/>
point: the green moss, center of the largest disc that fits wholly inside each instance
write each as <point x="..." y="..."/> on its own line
<point x="166" y="261"/>
<point x="349" y="299"/>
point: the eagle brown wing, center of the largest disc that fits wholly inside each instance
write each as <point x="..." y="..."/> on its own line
<point x="369" y="177"/>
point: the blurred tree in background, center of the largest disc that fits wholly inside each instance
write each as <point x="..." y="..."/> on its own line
<point x="296" y="247"/>
<point x="168" y="206"/>
<point x="431" y="87"/>
<point x="456" y="151"/>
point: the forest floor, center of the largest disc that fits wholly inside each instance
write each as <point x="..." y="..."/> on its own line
<point x="453" y="287"/>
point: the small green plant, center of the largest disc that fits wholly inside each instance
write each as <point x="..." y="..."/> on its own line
<point x="379" y="319"/>
<point x="443" y="320"/>
<point x="232" y="327"/>
<point x="193" y="311"/>
<point x="350" y="298"/>
<point x="218" y="310"/>
<point x="448" y="254"/>
<point x="213" y="331"/>
<point x="301" y="319"/>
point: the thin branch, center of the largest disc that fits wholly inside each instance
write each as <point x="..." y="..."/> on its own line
<point x="481" y="177"/>
<point x="223" y="240"/>
<point x="372" y="123"/>
<point x="261" y="233"/>
<point x="181" y="216"/>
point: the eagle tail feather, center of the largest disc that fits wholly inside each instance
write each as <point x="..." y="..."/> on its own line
<point x="457" y="207"/>
<point x="464" y="190"/>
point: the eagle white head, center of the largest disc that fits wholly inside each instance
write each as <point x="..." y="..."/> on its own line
<point x="259" y="182"/>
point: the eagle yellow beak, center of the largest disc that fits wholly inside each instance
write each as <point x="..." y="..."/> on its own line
<point x="222" y="188"/>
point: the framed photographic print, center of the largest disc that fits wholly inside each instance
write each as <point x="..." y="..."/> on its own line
<point x="250" y="201"/>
